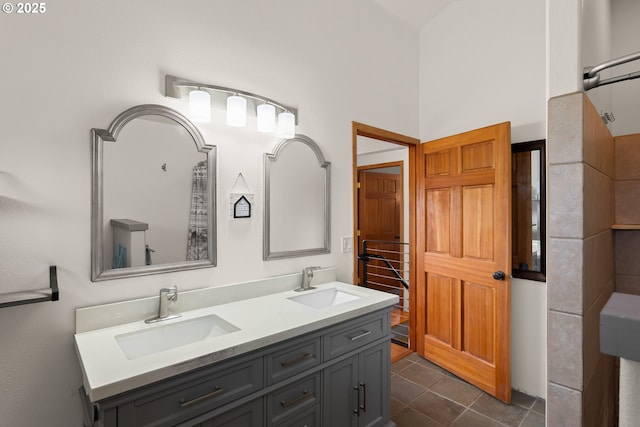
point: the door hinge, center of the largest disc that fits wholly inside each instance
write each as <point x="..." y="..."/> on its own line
<point x="358" y="185"/>
<point x="358" y="233"/>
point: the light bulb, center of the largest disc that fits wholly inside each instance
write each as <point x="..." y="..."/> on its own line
<point x="266" y="118"/>
<point x="236" y="111"/>
<point x="200" y="106"/>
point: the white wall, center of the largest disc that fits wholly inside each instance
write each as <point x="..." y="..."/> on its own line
<point x="564" y="47"/>
<point x="610" y="30"/>
<point x="625" y="40"/>
<point x="596" y="49"/>
<point x="483" y="63"/>
<point x="588" y="32"/>
<point x="81" y="63"/>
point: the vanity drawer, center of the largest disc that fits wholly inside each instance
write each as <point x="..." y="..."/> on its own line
<point x="293" y="359"/>
<point x="201" y="394"/>
<point x="294" y="398"/>
<point x="352" y="335"/>
<point x="309" y="418"/>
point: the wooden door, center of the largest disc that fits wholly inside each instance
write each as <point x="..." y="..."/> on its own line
<point x="464" y="239"/>
<point x="380" y="220"/>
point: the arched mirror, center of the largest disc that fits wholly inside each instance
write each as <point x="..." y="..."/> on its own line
<point x="153" y="195"/>
<point x="297" y="200"/>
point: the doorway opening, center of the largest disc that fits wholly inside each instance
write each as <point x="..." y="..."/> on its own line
<point x="384" y="223"/>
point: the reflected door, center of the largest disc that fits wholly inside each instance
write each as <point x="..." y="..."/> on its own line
<point x="464" y="252"/>
<point x="380" y="223"/>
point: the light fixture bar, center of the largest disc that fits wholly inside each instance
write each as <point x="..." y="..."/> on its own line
<point x="177" y="87"/>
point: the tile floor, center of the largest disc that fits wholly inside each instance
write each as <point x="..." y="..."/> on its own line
<point x="423" y="394"/>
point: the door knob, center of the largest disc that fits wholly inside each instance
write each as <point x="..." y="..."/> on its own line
<point x="498" y="275"/>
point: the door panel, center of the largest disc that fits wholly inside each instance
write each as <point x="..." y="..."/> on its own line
<point x="438" y="221"/>
<point x="440" y="295"/>
<point x="477" y="221"/>
<point x="478" y="313"/>
<point x="464" y="236"/>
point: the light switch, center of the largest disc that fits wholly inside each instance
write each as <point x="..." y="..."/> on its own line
<point x="347" y="244"/>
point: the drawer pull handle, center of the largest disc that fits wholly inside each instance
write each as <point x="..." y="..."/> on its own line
<point x="184" y="403"/>
<point x="305" y="395"/>
<point x="362" y="334"/>
<point x="286" y="363"/>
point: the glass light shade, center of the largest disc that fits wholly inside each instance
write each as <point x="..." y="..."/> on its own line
<point x="286" y="125"/>
<point x="266" y="118"/>
<point x="236" y="111"/>
<point x="200" y="106"/>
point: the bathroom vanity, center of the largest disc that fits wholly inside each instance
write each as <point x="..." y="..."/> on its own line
<point x="313" y="358"/>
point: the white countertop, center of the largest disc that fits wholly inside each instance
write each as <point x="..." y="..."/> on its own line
<point x="262" y="321"/>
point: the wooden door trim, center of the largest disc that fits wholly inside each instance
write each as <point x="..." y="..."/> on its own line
<point x="383" y="165"/>
<point x="361" y="129"/>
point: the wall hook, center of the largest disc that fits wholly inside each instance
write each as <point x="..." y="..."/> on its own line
<point x="164" y="167"/>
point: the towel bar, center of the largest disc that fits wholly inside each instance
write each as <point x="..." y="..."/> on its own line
<point x="37" y="295"/>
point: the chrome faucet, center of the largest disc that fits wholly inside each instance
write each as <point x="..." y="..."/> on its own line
<point x="307" y="276"/>
<point x="167" y="297"/>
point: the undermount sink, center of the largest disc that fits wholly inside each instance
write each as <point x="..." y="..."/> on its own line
<point x="325" y="298"/>
<point x="173" y="334"/>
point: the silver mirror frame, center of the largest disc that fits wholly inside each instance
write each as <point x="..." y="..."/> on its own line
<point x="269" y="159"/>
<point x="98" y="138"/>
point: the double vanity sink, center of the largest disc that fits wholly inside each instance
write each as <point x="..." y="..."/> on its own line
<point x="317" y="329"/>
<point x="184" y="331"/>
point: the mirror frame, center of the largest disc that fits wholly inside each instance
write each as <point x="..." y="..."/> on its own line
<point x="98" y="139"/>
<point x="269" y="159"/>
<point x="521" y="147"/>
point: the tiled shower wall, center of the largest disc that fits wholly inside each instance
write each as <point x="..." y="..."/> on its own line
<point x="627" y="211"/>
<point x="580" y="263"/>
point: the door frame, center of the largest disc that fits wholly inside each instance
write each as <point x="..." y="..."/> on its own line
<point x="361" y="129"/>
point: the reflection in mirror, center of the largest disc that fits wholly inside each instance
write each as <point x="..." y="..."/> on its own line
<point x="528" y="200"/>
<point x="297" y="200"/>
<point x="153" y="195"/>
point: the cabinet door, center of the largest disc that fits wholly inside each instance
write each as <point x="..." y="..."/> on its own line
<point x="339" y="398"/>
<point x="374" y="386"/>
<point x="247" y="415"/>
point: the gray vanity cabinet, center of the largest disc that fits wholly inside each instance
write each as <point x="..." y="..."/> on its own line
<point x="337" y="376"/>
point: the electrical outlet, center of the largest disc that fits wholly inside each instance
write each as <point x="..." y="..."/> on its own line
<point x="347" y="244"/>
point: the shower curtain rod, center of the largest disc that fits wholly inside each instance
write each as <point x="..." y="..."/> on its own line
<point x="591" y="75"/>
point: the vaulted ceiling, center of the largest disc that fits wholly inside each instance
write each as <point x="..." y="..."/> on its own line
<point x="415" y="12"/>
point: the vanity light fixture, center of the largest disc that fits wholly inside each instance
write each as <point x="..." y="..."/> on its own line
<point x="237" y="103"/>
<point x="200" y="106"/>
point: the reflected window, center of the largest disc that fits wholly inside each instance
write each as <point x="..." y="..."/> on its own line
<point x="528" y="210"/>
